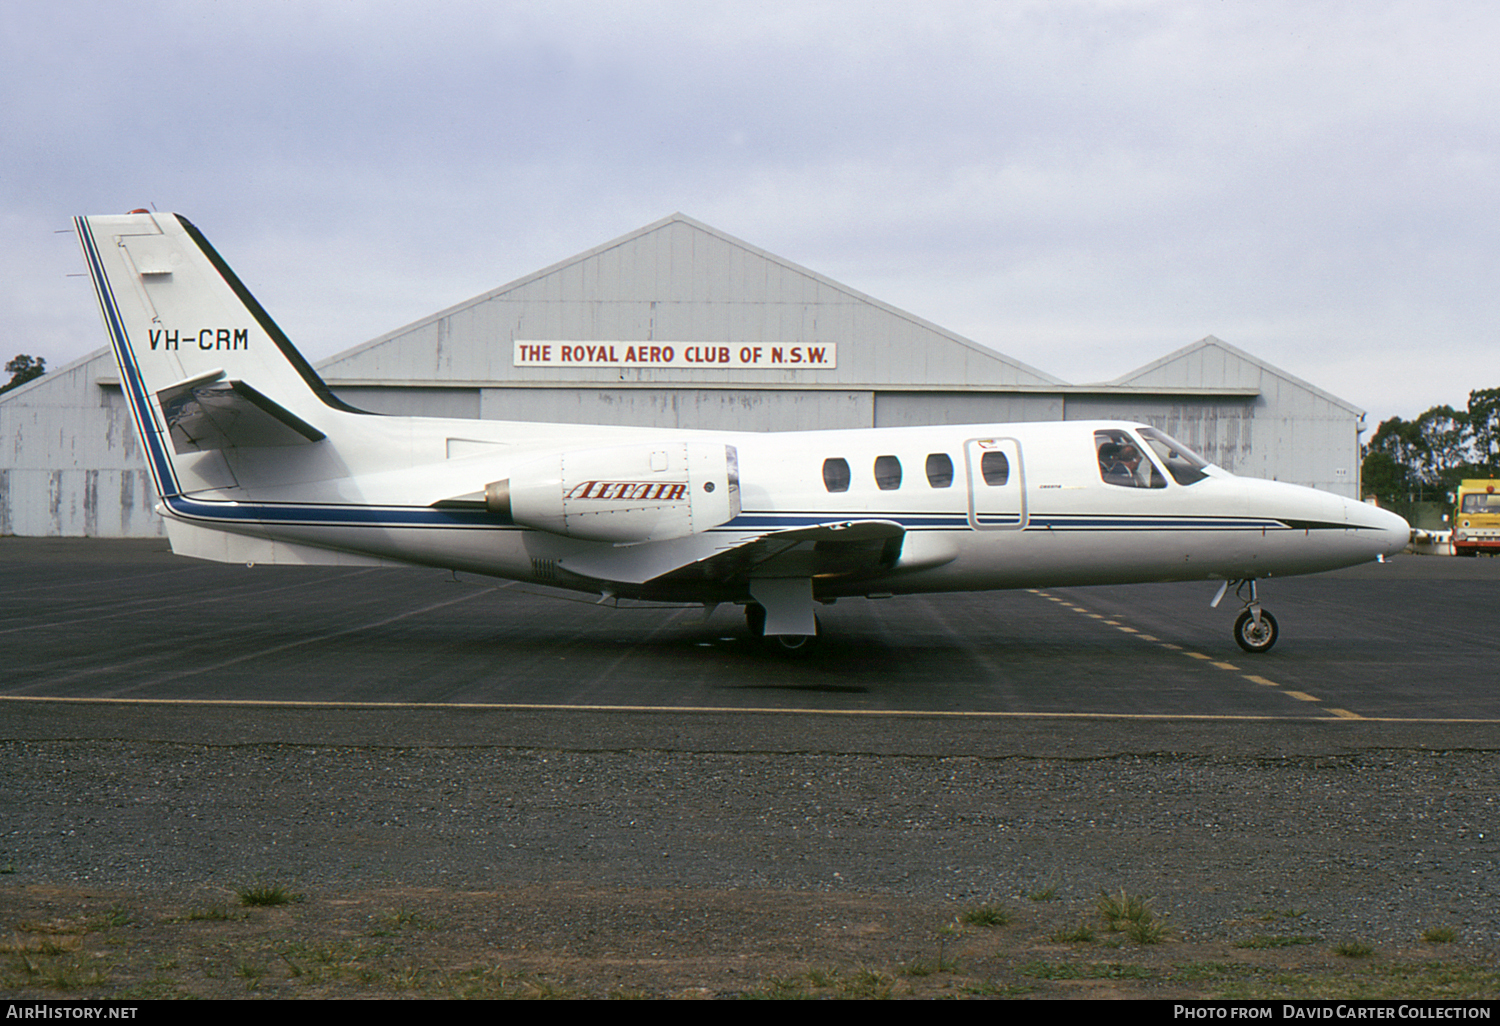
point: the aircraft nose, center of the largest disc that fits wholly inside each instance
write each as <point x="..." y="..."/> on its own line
<point x="1389" y="533"/>
<point x="1398" y="534"/>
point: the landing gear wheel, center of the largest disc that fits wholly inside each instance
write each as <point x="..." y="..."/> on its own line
<point x="787" y="644"/>
<point x="796" y="644"/>
<point x="793" y="644"/>
<point x="1253" y="637"/>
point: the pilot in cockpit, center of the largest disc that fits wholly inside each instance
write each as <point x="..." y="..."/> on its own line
<point x="1130" y="462"/>
<point x="1112" y="467"/>
<point x="1120" y="463"/>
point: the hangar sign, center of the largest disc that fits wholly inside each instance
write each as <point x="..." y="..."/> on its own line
<point x="678" y="355"/>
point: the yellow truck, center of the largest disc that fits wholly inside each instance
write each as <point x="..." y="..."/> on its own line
<point x="1476" y="517"/>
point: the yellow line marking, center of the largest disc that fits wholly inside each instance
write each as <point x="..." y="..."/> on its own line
<point x="1301" y="696"/>
<point x="539" y="707"/>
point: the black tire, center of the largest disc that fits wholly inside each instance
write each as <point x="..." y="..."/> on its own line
<point x="1253" y="638"/>
<point x="793" y="644"/>
<point x="787" y="644"/>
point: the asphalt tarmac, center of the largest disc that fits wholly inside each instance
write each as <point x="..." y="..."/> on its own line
<point x="1411" y="642"/>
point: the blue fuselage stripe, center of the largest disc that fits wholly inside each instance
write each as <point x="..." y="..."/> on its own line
<point x="341" y="515"/>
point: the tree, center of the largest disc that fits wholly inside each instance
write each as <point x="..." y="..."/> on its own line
<point x="1445" y="447"/>
<point x="1484" y="428"/>
<point x="1385" y="478"/>
<point x="22" y="369"/>
<point x="1424" y="459"/>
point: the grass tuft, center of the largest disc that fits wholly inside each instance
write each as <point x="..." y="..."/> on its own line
<point x="1146" y="931"/>
<point x="1047" y="891"/>
<point x="1132" y="915"/>
<point x="111" y="917"/>
<point x="210" y="914"/>
<point x="860" y="983"/>
<point x="1122" y="908"/>
<point x="49" y="944"/>
<point x="1083" y="933"/>
<point x="259" y="895"/>
<point x="1265" y="942"/>
<point x="986" y="916"/>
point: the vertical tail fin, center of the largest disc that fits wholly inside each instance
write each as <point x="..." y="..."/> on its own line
<point x="202" y="365"/>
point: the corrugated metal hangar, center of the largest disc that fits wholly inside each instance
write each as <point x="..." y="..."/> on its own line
<point x="679" y="325"/>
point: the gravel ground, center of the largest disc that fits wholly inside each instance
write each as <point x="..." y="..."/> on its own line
<point x="1377" y="845"/>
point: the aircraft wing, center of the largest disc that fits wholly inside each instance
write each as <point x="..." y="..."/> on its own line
<point x="836" y="548"/>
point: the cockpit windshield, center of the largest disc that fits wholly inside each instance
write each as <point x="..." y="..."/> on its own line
<point x="1185" y="466"/>
<point x="1122" y="463"/>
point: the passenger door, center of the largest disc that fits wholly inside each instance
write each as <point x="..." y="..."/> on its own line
<point x="997" y="484"/>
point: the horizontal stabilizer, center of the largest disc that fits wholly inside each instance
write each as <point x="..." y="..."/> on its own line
<point x="209" y="412"/>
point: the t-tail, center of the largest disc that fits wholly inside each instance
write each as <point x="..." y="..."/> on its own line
<point x="203" y="367"/>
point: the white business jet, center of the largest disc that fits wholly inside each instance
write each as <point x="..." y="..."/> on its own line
<point x="256" y="461"/>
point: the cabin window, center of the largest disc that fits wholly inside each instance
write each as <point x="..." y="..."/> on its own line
<point x="994" y="468"/>
<point x="836" y="474"/>
<point x="1122" y="463"/>
<point x="887" y="473"/>
<point x="940" y="470"/>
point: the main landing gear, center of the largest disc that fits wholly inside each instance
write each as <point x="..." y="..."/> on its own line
<point x="1254" y="629"/>
<point x="790" y="644"/>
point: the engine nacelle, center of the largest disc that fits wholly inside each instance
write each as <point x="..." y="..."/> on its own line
<point x="624" y="494"/>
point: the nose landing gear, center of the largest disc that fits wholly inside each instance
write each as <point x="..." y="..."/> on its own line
<point x="1255" y="629"/>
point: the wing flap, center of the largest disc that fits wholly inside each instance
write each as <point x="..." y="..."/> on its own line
<point x="837" y="548"/>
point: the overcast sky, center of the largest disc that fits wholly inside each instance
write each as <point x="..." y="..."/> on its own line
<point x="1084" y="185"/>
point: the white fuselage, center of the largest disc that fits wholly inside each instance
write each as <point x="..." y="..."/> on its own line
<point x="1054" y="521"/>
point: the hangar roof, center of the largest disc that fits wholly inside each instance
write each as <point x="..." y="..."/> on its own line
<point x="1213" y="363"/>
<point x="676" y="283"/>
